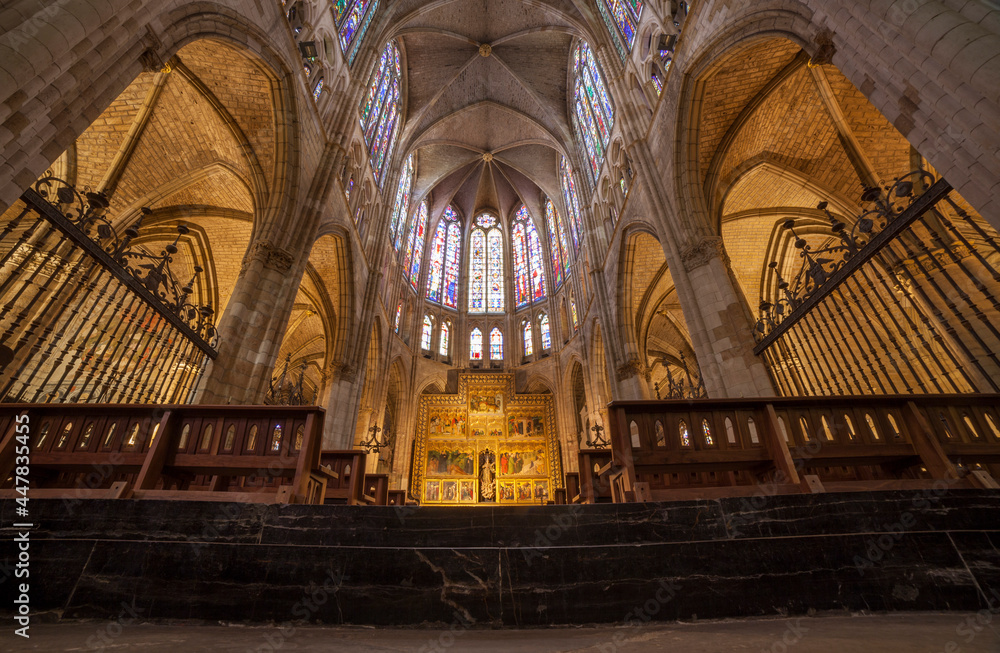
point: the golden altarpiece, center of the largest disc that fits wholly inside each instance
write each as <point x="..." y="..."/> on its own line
<point x="485" y="444"/>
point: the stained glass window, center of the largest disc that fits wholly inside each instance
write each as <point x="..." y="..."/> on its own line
<point x="445" y="332"/>
<point x="352" y="18"/>
<point x="425" y="335"/>
<point x="657" y="82"/>
<point x="400" y="208"/>
<point x="529" y="275"/>
<point x="476" y="345"/>
<point x="414" y="251"/>
<point x="380" y="110"/>
<point x="477" y="272"/>
<point x="496" y="344"/>
<point x="350" y="188"/>
<point x="559" y="251"/>
<point x="442" y="277"/>
<point x="399" y="316"/>
<point x="594" y="116"/>
<point x="529" y="346"/>
<point x="486" y="266"/>
<point x="621" y="17"/>
<point x="572" y="201"/>
<point x="682" y="428"/>
<point x="318" y="90"/>
<point x="572" y="310"/>
<point x="543" y="328"/>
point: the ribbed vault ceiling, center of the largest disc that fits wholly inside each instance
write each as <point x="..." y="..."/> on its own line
<point x="486" y="77"/>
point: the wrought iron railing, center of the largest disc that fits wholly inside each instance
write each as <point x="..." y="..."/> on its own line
<point x="87" y="314"/>
<point x="901" y="299"/>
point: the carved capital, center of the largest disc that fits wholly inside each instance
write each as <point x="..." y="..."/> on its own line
<point x="634" y="367"/>
<point x="703" y="252"/>
<point x="271" y="256"/>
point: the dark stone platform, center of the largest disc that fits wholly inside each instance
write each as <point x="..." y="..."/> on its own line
<point x="510" y="566"/>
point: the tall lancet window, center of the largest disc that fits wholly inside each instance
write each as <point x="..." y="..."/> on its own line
<point x="380" y="110"/>
<point x="572" y="201"/>
<point x="496" y="344"/>
<point x="352" y="18"/>
<point x="594" y="115"/>
<point x="445" y="332"/>
<point x="529" y="346"/>
<point x="559" y="251"/>
<point x="529" y="275"/>
<point x="442" y="277"/>
<point x="426" y="333"/>
<point x="476" y="345"/>
<point x="486" y="266"/>
<point x="543" y="329"/>
<point x="400" y="209"/>
<point x="414" y="251"/>
<point x="621" y="17"/>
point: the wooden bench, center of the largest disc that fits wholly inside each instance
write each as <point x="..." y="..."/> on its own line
<point x="347" y="474"/>
<point x="225" y="453"/>
<point x="710" y="448"/>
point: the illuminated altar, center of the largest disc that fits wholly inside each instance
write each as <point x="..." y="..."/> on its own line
<point x="485" y="444"/>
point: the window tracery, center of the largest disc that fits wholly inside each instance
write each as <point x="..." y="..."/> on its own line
<point x="442" y="276"/>
<point x="380" y="110"/>
<point x="400" y="208"/>
<point x="594" y="114"/>
<point x="352" y="18"/>
<point x="486" y="266"/>
<point x="414" y="252"/>
<point x="529" y="273"/>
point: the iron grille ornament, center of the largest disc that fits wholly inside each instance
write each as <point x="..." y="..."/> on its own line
<point x="818" y="274"/>
<point x="283" y="391"/>
<point x="598" y="441"/>
<point x="86" y="212"/>
<point x="682" y="387"/>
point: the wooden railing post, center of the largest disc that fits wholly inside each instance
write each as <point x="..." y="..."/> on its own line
<point x="621" y="447"/>
<point x="156" y="457"/>
<point x="927" y="446"/>
<point x="309" y="456"/>
<point x="778" y="448"/>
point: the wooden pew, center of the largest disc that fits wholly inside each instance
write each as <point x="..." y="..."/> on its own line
<point x="596" y="466"/>
<point x="226" y="453"/>
<point x="347" y="468"/>
<point x="731" y="447"/>
<point x="572" y="487"/>
<point x="377" y="489"/>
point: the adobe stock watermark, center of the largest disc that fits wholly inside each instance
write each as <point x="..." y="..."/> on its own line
<point x="313" y="598"/>
<point x="971" y="626"/>
<point x="794" y="633"/>
<point x="462" y="621"/>
<point x="756" y="502"/>
<point x="108" y="633"/>
<point x="642" y="614"/>
<point x="545" y="539"/>
<point x="229" y="512"/>
<point x="29" y="29"/>
<point x="877" y="546"/>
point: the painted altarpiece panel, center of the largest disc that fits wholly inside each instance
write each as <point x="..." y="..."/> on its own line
<point x="485" y="445"/>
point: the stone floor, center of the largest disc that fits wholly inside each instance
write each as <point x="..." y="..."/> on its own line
<point x="955" y="632"/>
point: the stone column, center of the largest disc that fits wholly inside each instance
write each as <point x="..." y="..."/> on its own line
<point x="252" y="326"/>
<point x="726" y="339"/>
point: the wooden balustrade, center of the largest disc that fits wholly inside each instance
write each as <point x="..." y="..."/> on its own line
<point x="230" y="453"/>
<point x="730" y="447"/>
